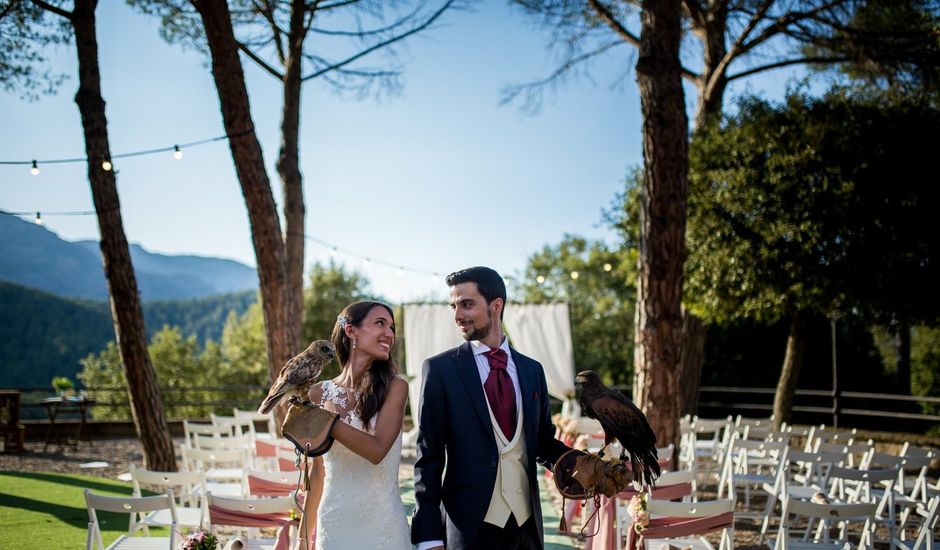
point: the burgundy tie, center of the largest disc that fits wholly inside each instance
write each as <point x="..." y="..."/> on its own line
<point x="499" y="392"/>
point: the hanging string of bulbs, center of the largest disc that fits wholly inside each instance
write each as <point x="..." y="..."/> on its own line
<point x="107" y="164"/>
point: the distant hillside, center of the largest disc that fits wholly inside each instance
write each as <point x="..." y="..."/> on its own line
<point x="42" y="335"/>
<point x="36" y="257"/>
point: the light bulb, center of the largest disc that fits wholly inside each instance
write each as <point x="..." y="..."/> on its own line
<point x="38" y="219"/>
<point x="575" y="274"/>
<point x="401" y="271"/>
<point x="106" y="165"/>
<point x="434" y="278"/>
<point x="608" y="267"/>
<point x="540" y="279"/>
<point x="333" y="252"/>
<point x="177" y="154"/>
<point x="35" y="169"/>
<point x="366" y="262"/>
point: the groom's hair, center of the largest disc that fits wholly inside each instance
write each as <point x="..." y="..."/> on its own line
<point x="488" y="281"/>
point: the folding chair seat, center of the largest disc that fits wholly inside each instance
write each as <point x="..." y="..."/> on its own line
<point x="188" y="487"/>
<point x="684" y="524"/>
<point x="277" y="512"/>
<point x="134" y="507"/>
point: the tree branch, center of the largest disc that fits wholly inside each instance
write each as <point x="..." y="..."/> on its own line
<point x="54" y="9"/>
<point x="260" y="62"/>
<point x="267" y="11"/>
<point x="786" y="63"/>
<point x="382" y="44"/>
<point x="612" y="22"/>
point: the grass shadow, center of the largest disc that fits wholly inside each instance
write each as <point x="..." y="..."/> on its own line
<point x="59" y="479"/>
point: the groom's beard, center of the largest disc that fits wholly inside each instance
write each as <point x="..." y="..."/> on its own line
<point x="479" y="333"/>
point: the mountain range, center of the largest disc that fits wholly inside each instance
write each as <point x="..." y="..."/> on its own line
<point x="31" y="255"/>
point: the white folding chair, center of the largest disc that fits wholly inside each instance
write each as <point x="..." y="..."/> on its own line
<point x="853" y="485"/>
<point x="926" y="537"/>
<point x="694" y="520"/>
<point x="267" y="418"/>
<point x="210" y="443"/>
<point x="825" y="517"/>
<point x="186" y="486"/>
<point x="271" y="484"/>
<point x="255" y="513"/>
<point x="192" y="428"/>
<point x="239" y="425"/>
<point x="224" y="470"/>
<point x="135" y="507"/>
<point x="748" y="466"/>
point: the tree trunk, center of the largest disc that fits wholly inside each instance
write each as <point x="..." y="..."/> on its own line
<point x="691" y="359"/>
<point x="713" y="82"/>
<point x="904" y="357"/>
<point x="662" y="219"/>
<point x="790" y="373"/>
<point x="256" y="187"/>
<point x="288" y="168"/>
<point x="142" y="388"/>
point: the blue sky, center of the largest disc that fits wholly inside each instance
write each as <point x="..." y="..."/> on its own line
<point x="437" y="178"/>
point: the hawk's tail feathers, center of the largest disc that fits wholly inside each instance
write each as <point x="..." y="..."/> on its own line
<point x="646" y="467"/>
<point x="271" y="401"/>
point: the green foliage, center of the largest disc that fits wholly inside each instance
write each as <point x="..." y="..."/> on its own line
<point x="790" y="209"/>
<point x="600" y="299"/>
<point x="234" y="372"/>
<point x="925" y="366"/>
<point x="331" y="289"/>
<point x="202" y="317"/>
<point x="25" y="31"/>
<point x="62" y="383"/>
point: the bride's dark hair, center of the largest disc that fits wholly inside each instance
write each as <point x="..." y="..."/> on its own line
<point x="374" y="384"/>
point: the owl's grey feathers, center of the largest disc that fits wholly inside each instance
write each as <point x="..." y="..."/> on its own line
<point x="299" y="374"/>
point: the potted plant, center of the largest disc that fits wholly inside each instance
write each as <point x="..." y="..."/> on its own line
<point x="62" y="384"/>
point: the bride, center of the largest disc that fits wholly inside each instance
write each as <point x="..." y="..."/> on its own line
<point x="360" y="506"/>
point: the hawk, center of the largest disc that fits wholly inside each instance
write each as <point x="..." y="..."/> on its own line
<point x="621" y="420"/>
<point x="299" y="374"/>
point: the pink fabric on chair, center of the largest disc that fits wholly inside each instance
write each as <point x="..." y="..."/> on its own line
<point x="286" y="465"/>
<point x="607" y="514"/>
<point x="678" y="527"/>
<point x="223" y="516"/>
<point x="265" y="449"/>
<point x="265" y="488"/>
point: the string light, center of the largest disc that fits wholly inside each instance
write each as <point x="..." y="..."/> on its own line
<point x="608" y="267"/>
<point x="540" y="279"/>
<point x="38" y="219"/>
<point x="176" y="149"/>
<point x="333" y="252"/>
<point x="401" y="271"/>
<point x="366" y="262"/>
<point x="575" y="275"/>
<point x="106" y="165"/>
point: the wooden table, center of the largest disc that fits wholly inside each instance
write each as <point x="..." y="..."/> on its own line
<point x="56" y="405"/>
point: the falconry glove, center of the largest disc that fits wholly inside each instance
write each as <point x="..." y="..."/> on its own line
<point x="309" y="427"/>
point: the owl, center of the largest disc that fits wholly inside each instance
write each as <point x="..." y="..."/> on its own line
<point x="299" y="374"/>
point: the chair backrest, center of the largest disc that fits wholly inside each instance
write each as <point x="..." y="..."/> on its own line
<point x="703" y="509"/>
<point x="927" y="532"/>
<point x="826" y="514"/>
<point x="201" y="459"/>
<point x="133" y="506"/>
<point x="240" y="426"/>
<point x="255" y="416"/>
<point x="187" y="486"/>
<point x="266" y="484"/>
<point x="192" y="428"/>
<point x="205" y="442"/>
<point x="253" y="512"/>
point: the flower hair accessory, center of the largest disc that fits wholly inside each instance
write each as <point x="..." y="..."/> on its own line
<point x="637" y="510"/>
<point x="342" y="320"/>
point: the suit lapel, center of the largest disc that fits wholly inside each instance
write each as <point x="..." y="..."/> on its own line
<point x="528" y="391"/>
<point x="470" y="376"/>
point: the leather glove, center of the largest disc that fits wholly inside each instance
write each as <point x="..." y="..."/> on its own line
<point x="310" y="428"/>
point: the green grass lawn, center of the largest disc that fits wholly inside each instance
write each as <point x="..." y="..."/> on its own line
<point x="47" y="510"/>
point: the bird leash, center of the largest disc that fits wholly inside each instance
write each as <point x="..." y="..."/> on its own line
<point x="303" y="482"/>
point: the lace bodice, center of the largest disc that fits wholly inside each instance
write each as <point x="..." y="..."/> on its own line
<point x="361" y="506"/>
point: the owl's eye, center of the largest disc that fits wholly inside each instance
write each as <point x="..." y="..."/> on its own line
<point x="325" y="349"/>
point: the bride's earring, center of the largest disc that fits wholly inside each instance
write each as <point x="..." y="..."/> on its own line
<point x="354" y="342"/>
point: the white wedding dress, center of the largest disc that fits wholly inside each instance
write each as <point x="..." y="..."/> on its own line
<point x="361" y="507"/>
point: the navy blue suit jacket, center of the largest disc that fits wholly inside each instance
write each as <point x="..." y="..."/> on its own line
<point x="455" y="430"/>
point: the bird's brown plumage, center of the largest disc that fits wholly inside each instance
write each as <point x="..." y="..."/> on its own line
<point x="621" y="420"/>
<point x="299" y="374"/>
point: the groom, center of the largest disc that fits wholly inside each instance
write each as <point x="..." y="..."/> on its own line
<point x="484" y="413"/>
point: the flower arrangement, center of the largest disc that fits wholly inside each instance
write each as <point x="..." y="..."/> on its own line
<point x="637" y="510"/>
<point x="62" y="384"/>
<point x="200" y="540"/>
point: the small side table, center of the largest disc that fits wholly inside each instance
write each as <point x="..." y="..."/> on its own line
<point x="56" y="405"/>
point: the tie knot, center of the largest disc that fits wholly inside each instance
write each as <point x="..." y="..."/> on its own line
<point x="496" y="358"/>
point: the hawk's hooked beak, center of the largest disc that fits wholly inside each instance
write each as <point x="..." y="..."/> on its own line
<point x="580" y="378"/>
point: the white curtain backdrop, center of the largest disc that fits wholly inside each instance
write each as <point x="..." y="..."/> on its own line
<point x="543" y="332"/>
